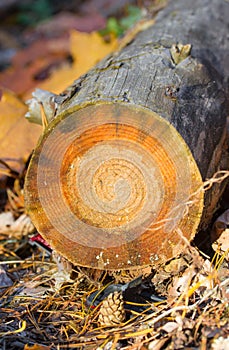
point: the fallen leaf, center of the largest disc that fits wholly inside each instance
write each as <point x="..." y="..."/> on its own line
<point x="5" y="281"/>
<point x="181" y="284"/>
<point x="35" y="63"/>
<point x="34" y="289"/>
<point x="17" y="136"/>
<point x="222" y="243"/>
<point x="45" y="63"/>
<point x="64" y="270"/>
<point x="170" y="327"/>
<point x="86" y="50"/>
<point x="15" y="228"/>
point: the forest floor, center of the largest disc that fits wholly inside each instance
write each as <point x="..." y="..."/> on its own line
<point x="46" y="303"/>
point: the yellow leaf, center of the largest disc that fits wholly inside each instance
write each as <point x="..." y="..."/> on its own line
<point x="17" y="136"/>
<point x="87" y="49"/>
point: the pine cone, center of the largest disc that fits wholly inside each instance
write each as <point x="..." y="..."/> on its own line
<point x="112" y="310"/>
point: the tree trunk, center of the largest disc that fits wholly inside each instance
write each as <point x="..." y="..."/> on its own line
<point x="156" y="106"/>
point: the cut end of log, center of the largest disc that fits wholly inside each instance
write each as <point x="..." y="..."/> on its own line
<point x="114" y="186"/>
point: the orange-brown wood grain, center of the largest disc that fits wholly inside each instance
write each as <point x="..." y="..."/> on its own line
<point x="107" y="193"/>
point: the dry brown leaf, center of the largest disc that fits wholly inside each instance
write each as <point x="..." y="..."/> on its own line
<point x="222" y="243"/>
<point x="44" y="63"/>
<point x="5" y="281"/>
<point x="64" y="270"/>
<point x="15" y="228"/>
<point x="34" y="64"/>
<point x="181" y="284"/>
<point x="17" y="136"/>
<point x="170" y="327"/>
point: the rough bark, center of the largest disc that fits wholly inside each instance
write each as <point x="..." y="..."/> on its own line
<point x="191" y="95"/>
<point x="173" y="73"/>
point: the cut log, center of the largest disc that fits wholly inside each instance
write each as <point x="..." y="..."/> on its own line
<point x="116" y="180"/>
